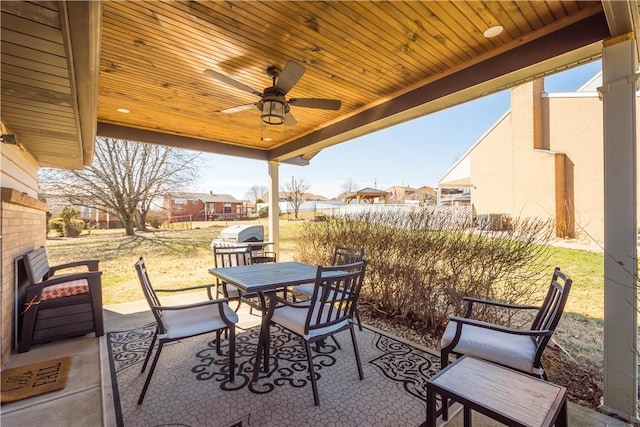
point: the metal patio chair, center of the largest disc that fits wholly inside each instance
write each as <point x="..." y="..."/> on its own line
<point x="520" y="349"/>
<point x="341" y="255"/>
<point x="329" y="310"/>
<point x="177" y="322"/>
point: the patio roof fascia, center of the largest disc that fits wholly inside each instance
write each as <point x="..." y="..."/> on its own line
<point x="532" y="59"/>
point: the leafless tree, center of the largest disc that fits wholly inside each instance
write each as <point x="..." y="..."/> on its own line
<point x="294" y="192"/>
<point x="255" y="193"/>
<point x="350" y="186"/>
<point x="124" y="179"/>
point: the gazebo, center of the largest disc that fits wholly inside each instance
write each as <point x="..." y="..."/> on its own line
<point x="367" y="194"/>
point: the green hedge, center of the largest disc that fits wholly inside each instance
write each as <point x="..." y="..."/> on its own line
<point x="421" y="264"/>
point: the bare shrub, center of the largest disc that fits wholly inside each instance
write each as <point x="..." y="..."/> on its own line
<point x="422" y="264"/>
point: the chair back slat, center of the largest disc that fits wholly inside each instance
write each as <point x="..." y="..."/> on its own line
<point x="149" y="293"/>
<point x="37" y="265"/>
<point x="343" y="255"/>
<point x="335" y="295"/>
<point x="553" y="305"/>
<point x="231" y="256"/>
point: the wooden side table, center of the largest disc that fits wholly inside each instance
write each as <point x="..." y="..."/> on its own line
<point x="510" y="397"/>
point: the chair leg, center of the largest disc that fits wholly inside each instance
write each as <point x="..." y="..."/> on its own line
<point x="335" y="340"/>
<point x="312" y="374"/>
<point x="153" y="368"/>
<point x="444" y="361"/>
<point x="357" y="313"/>
<point x="146" y="359"/>
<point x="218" y="342"/>
<point x="232" y="352"/>
<point x="357" y="353"/>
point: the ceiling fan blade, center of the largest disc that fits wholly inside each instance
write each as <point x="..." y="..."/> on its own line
<point x="230" y="82"/>
<point x="324" y="104"/>
<point x="289" y="120"/>
<point x="238" y="108"/>
<point x="289" y="76"/>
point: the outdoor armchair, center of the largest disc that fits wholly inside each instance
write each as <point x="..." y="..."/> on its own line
<point x="329" y="310"/>
<point x="57" y="303"/>
<point x="519" y="349"/>
<point x="177" y="322"/>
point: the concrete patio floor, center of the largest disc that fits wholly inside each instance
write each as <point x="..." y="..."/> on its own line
<point x="81" y="402"/>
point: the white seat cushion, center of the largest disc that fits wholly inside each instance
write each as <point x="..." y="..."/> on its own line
<point x="294" y="319"/>
<point x="193" y="321"/>
<point x="516" y="351"/>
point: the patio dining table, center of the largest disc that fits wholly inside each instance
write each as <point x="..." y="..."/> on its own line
<point x="263" y="279"/>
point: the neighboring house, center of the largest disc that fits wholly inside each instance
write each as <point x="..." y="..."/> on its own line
<point x="543" y="158"/>
<point x="181" y="207"/>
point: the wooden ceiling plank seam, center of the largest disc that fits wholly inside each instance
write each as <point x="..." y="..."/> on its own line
<point x="373" y="35"/>
<point x="35" y="106"/>
<point x="53" y="120"/>
<point x="545" y="13"/>
<point x="294" y="50"/>
<point x="570" y="6"/>
<point x="511" y="17"/>
<point x="26" y="81"/>
<point x="534" y="18"/>
<point x="257" y="58"/>
<point x="445" y="12"/>
<point x="436" y="28"/>
<point x="430" y="16"/>
<point x="303" y="46"/>
<point x="36" y="94"/>
<point x="36" y="116"/>
<point x="8" y="69"/>
<point x="30" y="42"/>
<point x="482" y="19"/>
<point x="32" y="11"/>
<point x="334" y="36"/>
<point x="32" y="54"/>
<point x="26" y="63"/>
<point x="28" y="27"/>
<point x="412" y="47"/>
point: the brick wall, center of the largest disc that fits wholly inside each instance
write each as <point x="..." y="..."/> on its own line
<point x="23" y="228"/>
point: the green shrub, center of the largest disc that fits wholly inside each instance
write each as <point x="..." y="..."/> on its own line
<point x="422" y="263"/>
<point x="57" y="224"/>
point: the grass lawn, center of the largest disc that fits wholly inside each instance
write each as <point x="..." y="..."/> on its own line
<point x="181" y="257"/>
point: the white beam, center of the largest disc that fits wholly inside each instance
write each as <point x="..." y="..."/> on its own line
<point x="274" y="206"/>
<point x="619" y="61"/>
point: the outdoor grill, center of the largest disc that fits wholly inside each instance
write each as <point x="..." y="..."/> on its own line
<point x="242" y="236"/>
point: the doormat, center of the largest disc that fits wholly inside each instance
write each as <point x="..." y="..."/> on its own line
<point x="35" y="379"/>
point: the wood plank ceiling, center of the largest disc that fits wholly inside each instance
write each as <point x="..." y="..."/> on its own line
<point x="387" y="61"/>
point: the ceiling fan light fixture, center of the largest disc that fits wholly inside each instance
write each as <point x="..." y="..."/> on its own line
<point x="273" y="112"/>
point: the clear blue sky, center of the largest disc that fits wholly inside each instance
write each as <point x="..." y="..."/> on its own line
<point x="414" y="153"/>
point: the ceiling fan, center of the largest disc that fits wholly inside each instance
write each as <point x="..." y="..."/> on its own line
<point x="274" y="106"/>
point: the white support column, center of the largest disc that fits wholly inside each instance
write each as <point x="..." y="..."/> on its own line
<point x="619" y="65"/>
<point x="274" y="206"/>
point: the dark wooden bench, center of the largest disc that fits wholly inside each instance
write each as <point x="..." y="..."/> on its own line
<point x="54" y="305"/>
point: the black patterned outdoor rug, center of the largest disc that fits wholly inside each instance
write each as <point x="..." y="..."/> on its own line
<point x="191" y="384"/>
